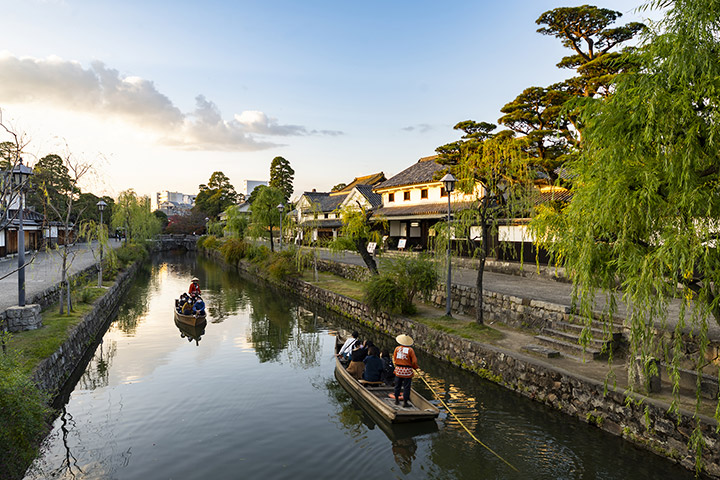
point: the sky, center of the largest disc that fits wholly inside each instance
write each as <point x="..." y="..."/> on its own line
<point x="158" y="95"/>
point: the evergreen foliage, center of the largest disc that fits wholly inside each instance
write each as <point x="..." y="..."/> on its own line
<point x="216" y="196"/>
<point x="281" y="177"/>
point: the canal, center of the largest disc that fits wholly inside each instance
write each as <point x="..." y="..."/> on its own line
<point x="252" y="395"/>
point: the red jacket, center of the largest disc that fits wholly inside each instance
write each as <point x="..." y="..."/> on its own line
<point x="404" y="360"/>
<point x="194" y="289"/>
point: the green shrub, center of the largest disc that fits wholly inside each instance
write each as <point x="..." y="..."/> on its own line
<point x="234" y="249"/>
<point x="382" y="292"/>
<point x="209" y="242"/>
<point x="395" y="290"/>
<point x="258" y="253"/>
<point x="130" y="253"/>
<point x="282" y="265"/>
<point x="23" y="411"/>
<point x="415" y="275"/>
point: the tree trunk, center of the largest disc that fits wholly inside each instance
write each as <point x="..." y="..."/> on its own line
<point x="272" y="248"/>
<point x="361" y="247"/>
<point x="479" y="288"/>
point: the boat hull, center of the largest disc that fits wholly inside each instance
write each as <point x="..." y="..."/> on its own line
<point x="377" y="400"/>
<point x="190" y="319"/>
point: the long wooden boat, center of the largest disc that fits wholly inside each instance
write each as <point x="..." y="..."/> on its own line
<point x="377" y="399"/>
<point x="192" y="320"/>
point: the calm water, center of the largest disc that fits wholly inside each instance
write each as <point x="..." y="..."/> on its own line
<point x="255" y="397"/>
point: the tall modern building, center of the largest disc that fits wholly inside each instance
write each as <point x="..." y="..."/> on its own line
<point x="173" y="203"/>
<point x="249" y="185"/>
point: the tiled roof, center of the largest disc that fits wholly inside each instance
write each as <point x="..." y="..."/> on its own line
<point x="323" y="201"/>
<point x="563" y="196"/>
<point x="372" y="197"/>
<point x="423" y="209"/>
<point x="372" y="179"/>
<point x="421" y="172"/>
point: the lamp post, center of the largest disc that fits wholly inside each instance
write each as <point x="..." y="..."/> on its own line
<point x="280" y="208"/>
<point x="20" y="175"/>
<point x="449" y="182"/>
<point x="101" y="206"/>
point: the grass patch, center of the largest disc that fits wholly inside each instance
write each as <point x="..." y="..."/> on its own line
<point x="462" y="328"/>
<point x="336" y="284"/>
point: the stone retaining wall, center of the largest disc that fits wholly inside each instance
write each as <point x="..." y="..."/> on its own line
<point x="569" y="393"/>
<point x="51" y="374"/>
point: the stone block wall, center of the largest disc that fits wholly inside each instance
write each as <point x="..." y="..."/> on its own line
<point x="575" y="395"/>
<point x="52" y="373"/>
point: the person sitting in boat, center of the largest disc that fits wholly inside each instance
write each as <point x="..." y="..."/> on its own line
<point x="199" y="307"/>
<point x="357" y="356"/>
<point x="405" y="361"/>
<point x="373" y="365"/>
<point x="346" y="350"/>
<point x="388" y="368"/>
<point x="187" y="307"/>
<point x="194" y="289"/>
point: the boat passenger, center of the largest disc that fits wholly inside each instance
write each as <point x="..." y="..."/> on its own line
<point x="405" y="361"/>
<point x="347" y="347"/>
<point x="373" y="365"/>
<point x="187" y="308"/>
<point x="357" y="356"/>
<point x="388" y="368"/>
<point x="199" y="307"/>
<point x="194" y="287"/>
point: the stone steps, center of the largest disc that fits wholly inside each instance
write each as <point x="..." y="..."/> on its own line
<point x="570" y="347"/>
<point x="573" y="338"/>
<point x="597" y="333"/>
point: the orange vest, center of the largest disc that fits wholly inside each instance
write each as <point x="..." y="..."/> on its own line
<point x="404" y="360"/>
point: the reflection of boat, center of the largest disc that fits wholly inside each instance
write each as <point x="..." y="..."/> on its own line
<point x="377" y="399"/>
<point x="191" y="332"/>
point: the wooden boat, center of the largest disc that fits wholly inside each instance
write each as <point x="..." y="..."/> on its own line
<point x="377" y="399"/>
<point x="192" y="320"/>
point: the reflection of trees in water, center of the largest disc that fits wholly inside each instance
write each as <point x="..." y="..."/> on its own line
<point x="271" y="322"/>
<point x="305" y="347"/>
<point x="347" y="416"/>
<point x="136" y="303"/>
<point x="97" y="372"/>
<point x="225" y="290"/>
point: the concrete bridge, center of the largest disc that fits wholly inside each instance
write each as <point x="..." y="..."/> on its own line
<point x="174" y="242"/>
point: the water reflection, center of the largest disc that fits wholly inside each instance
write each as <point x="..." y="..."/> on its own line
<point x="97" y="373"/>
<point x="191" y="332"/>
<point x="135" y="308"/>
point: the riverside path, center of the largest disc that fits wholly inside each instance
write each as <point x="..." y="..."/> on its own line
<point x="45" y="270"/>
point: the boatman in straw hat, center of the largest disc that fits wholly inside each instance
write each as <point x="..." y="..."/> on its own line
<point x="405" y="361"/>
<point x="194" y="289"/>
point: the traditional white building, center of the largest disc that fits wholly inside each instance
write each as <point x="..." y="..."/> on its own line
<point x="415" y="199"/>
<point x="319" y="212"/>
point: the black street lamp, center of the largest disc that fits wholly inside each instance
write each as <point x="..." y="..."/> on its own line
<point x="101" y="206"/>
<point x="449" y="181"/>
<point x="20" y="175"/>
<point x="280" y="208"/>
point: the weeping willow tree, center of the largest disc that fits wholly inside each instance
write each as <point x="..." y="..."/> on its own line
<point x="645" y="217"/>
<point x="356" y="232"/>
<point x="497" y="164"/>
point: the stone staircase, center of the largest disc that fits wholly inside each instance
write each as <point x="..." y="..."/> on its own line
<point x="563" y="338"/>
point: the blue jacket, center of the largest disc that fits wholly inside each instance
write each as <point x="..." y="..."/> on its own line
<point x="373" y="368"/>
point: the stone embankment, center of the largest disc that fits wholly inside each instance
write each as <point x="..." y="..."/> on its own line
<point x="52" y="373"/>
<point x="637" y="418"/>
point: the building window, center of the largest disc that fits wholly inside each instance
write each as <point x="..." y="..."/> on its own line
<point x="391" y="197"/>
<point x="424" y="193"/>
<point x="326" y="215"/>
<point x="406" y="195"/>
<point x="443" y="193"/>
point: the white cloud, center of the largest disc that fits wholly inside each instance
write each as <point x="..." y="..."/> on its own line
<point x="100" y="90"/>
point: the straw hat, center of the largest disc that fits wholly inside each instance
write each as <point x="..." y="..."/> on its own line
<point x="195" y="279"/>
<point x="404" y="340"/>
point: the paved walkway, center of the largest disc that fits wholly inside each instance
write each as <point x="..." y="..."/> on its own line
<point x="44" y="271"/>
<point x="535" y="288"/>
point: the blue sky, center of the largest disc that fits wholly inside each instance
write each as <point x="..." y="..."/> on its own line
<point x="161" y="94"/>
